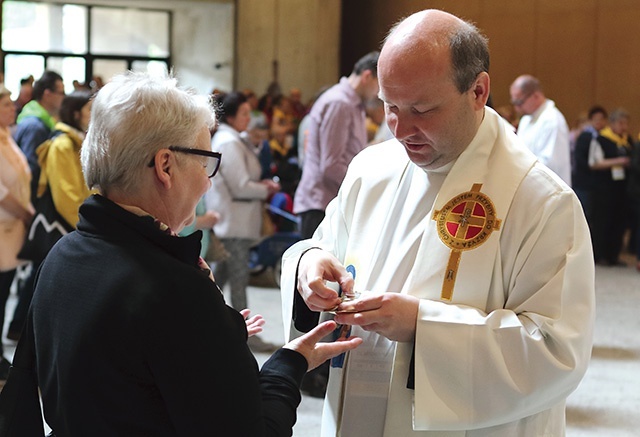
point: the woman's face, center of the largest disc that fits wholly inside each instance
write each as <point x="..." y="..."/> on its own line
<point x="241" y="120"/>
<point x="7" y="111"/>
<point x="83" y="116"/>
<point x="193" y="183"/>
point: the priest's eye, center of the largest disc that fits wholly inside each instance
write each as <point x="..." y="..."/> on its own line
<point x="392" y="108"/>
<point x="420" y="111"/>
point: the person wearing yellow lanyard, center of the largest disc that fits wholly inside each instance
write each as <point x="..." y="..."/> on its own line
<point x="609" y="159"/>
<point x="634" y="196"/>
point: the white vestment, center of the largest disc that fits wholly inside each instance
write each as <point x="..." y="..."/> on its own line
<point x="499" y="358"/>
<point x="546" y="133"/>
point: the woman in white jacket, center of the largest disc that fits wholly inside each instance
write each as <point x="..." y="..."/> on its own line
<point x="237" y="193"/>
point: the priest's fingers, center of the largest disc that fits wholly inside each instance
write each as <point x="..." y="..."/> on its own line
<point x="314" y="351"/>
<point x="315" y="268"/>
<point x="320" y="263"/>
<point x="365" y="302"/>
<point x="394" y="318"/>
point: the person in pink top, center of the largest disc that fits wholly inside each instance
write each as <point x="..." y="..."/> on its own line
<point x="16" y="210"/>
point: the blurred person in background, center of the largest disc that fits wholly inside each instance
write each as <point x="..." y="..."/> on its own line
<point x="16" y="210"/>
<point x="634" y="197"/>
<point x="283" y="126"/>
<point x="237" y="194"/>
<point x="609" y="160"/>
<point x="25" y="94"/>
<point x="299" y="108"/>
<point x="61" y="173"/>
<point x="37" y="119"/>
<point x="542" y="127"/>
<point x="257" y="116"/>
<point x="203" y="222"/>
<point x="582" y="178"/>
<point x="60" y="159"/>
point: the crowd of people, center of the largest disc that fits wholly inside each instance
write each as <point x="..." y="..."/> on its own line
<point x="465" y="229"/>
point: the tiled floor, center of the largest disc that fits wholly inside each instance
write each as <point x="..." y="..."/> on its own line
<point x="607" y="403"/>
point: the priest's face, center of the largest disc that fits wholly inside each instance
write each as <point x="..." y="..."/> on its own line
<point x="424" y="109"/>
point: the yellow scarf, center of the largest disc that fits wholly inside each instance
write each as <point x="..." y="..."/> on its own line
<point x="621" y="141"/>
<point x="279" y="148"/>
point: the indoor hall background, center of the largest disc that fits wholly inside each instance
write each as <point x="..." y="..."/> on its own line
<point x="584" y="51"/>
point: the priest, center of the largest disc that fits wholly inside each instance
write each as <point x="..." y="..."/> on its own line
<point x="469" y="260"/>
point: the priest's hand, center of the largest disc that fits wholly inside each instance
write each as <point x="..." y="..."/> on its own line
<point x="392" y="315"/>
<point x="316" y="352"/>
<point x="315" y="268"/>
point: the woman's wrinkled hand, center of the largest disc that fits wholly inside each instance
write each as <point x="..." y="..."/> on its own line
<point x="316" y="352"/>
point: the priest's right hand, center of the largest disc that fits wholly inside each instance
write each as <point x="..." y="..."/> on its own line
<point x="315" y="268"/>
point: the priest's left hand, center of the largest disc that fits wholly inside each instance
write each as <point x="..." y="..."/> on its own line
<point x="392" y="315"/>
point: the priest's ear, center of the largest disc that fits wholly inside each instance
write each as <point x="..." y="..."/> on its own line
<point x="480" y="90"/>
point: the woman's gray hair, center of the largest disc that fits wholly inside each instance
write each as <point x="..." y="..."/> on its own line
<point x="132" y="118"/>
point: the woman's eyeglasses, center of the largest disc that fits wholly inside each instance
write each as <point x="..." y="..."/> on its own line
<point x="212" y="158"/>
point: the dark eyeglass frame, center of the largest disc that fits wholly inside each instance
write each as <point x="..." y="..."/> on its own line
<point x="199" y="152"/>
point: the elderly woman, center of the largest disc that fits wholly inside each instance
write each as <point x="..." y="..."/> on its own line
<point x="15" y="209"/>
<point x="132" y="334"/>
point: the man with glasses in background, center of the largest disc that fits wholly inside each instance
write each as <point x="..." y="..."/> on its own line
<point x="37" y="119"/>
<point x="542" y="127"/>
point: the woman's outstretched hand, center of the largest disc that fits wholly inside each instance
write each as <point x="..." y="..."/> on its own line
<point x="317" y="352"/>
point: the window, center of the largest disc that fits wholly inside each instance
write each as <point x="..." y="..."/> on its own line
<point x="81" y="42"/>
<point x="129" y="32"/>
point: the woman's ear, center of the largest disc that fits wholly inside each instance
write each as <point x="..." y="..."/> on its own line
<point x="164" y="163"/>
